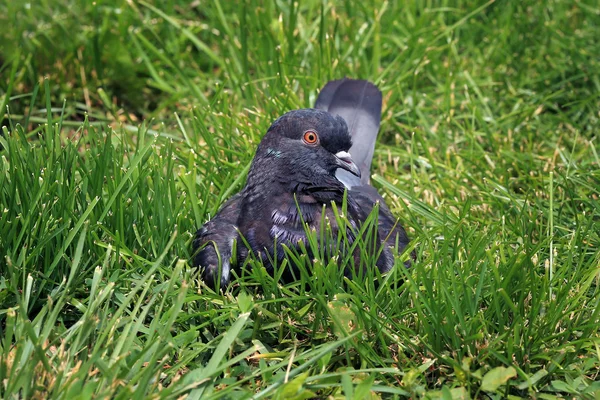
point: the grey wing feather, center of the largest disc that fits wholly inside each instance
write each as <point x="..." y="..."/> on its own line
<point x="213" y="245"/>
<point x="389" y="228"/>
<point x="327" y="93"/>
<point x="359" y="103"/>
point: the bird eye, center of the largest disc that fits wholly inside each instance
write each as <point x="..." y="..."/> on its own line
<point x="310" y="137"/>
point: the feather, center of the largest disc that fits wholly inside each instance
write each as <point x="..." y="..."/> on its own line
<point x="359" y="103"/>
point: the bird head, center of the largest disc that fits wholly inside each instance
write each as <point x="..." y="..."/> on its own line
<point x="310" y="143"/>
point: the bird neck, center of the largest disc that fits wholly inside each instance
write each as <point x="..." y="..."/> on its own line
<point x="273" y="176"/>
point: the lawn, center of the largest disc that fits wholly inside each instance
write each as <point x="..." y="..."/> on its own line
<point x="127" y="124"/>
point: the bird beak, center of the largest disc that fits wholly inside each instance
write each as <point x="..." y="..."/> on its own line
<point x="344" y="161"/>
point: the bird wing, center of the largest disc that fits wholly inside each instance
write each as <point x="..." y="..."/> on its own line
<point x="213" y="244"/>
<point x="389" y="229"/>
<point x="359" y="103"/>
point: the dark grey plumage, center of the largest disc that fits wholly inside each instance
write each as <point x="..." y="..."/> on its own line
<point x="292" y="177"/>
<point x="359" y="103"/>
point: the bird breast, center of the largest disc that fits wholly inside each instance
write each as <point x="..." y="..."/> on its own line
<point x="288" y="218"/>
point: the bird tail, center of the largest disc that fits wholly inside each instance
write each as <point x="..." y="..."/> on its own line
<point x="359" y="103"/>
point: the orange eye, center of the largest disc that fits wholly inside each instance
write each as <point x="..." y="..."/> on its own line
<point x="310" y="137"/>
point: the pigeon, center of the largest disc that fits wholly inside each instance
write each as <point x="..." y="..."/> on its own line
<point x="309" y="161"/>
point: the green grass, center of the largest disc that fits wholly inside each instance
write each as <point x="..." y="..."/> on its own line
<point x="127" y="124"/>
